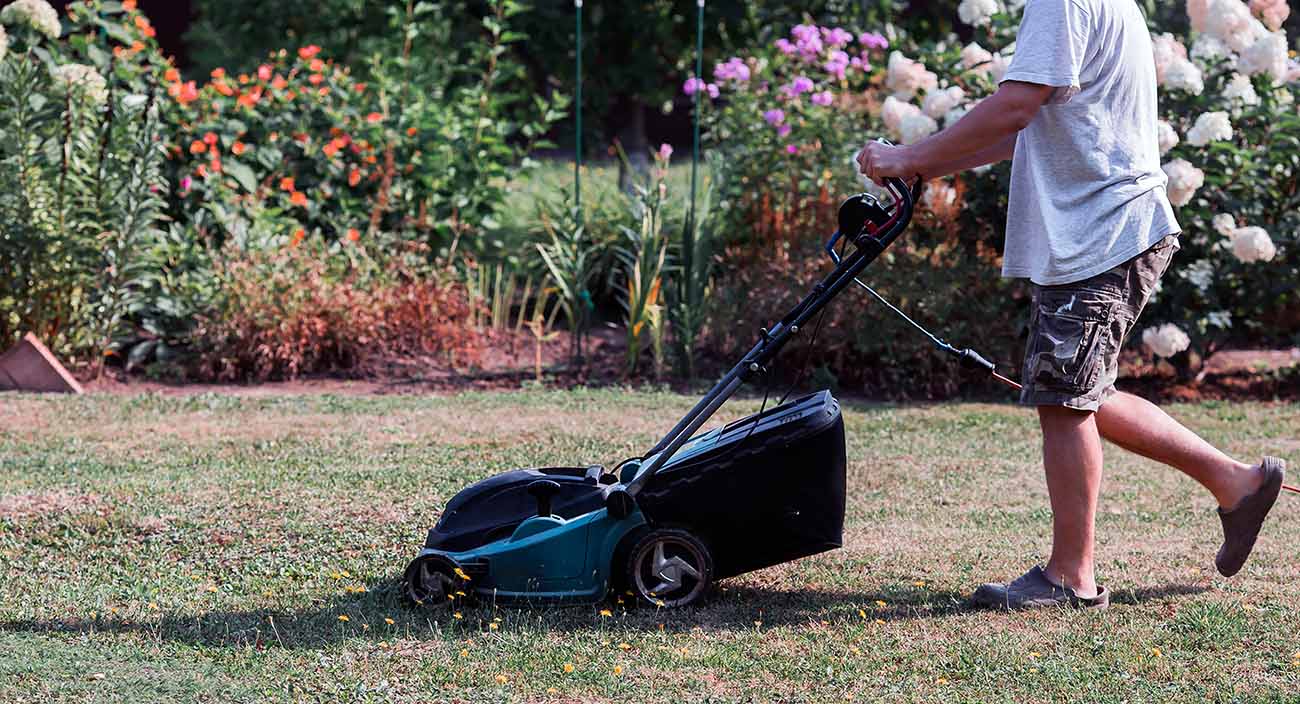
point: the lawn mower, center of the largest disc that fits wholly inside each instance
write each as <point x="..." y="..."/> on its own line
<point x="762" y="490"/>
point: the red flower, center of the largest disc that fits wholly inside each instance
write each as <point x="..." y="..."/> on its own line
<point x="264" y="72"/>
<point x="309" y="51"/>
<point x="410" y="131"/>
<point x="298" y="237"/>
<point x="188" y="93"/>
<point x="218" y="73"/>
<point x="172" y="75"/>
<point x="237" y="148"/>
<point x="315" y="79"/>
<point x="286" y="184"/>
<point x="298" y="198"/>
<point x="210" y="139"/>
<point x="353" y="235"/>
<point x="197" y="147"/>
<point x="317" y="65"/>
<point x="374" y="117"/>
<point x="354" y="177"/>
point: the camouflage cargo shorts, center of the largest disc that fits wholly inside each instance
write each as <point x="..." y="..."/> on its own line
<point x="1076" y="331"/>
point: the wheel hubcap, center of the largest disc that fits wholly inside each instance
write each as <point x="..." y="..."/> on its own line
<point x="668" y="572"/>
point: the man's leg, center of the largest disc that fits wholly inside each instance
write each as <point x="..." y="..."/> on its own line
<point x="1072" y="457"/>
<point x="1139" y="426"/>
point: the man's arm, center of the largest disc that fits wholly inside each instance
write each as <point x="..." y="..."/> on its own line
<point x="984" y="135"/>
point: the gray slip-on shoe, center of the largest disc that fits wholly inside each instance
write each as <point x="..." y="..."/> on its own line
<point x="1033" y="590"/>
<point x="1241" y="525"/>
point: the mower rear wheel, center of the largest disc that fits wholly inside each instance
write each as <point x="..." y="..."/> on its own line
<point x="433" y="582"/>
<point x="669" y="567"/>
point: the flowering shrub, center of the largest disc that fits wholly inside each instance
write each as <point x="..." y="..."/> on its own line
<point x="1229" y="134"/>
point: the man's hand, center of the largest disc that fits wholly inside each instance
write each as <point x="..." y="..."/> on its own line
<point x="881" y="161"/>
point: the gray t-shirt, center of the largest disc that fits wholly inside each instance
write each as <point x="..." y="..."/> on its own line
<point x="1087" y="190"/>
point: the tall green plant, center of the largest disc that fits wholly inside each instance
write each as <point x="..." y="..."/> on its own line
<point x="643" y="256"/>
<point x="570" y="258"/>
<point x="687" y="309"/>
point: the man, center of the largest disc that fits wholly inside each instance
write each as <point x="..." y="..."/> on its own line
<point x="1090" y="225"/>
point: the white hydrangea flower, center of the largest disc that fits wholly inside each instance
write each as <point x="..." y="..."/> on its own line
<point x="1184" y="75"/>
<point x="1240" y="88"/>
<point x="978" y="12"/>
<point x="1252" y="244"/>
<point x="1210" y="127"/>
<point x="1167" y="136"/>
<point x="83" y="78"/>
<point x="975" y="57"/>
<point x="1207" y="48"/>
<point x="1225" y="224"/>
<point x="905" y="77"/>
<point x="895" y="111"/>
<point x="998" y="68"/>
<point x="1230" y="22"/>
<point x="1166" y="50"/>
<point x="917" y="127"/>
<point x="1184" y="180"/>
<point x="939" y="196"/>
<point x="4" y="42"/>
<point x="937" y="103"/>
<point x="1165" y="340"/>
<point x="1268" y="54"/>
<point x="37" y="14"/>
<point x="1196" y="11"/>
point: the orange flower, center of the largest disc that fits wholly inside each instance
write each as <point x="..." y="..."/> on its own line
<point x="202" y="171"/>
<point x="290" y="95"/>
<point x="128" y="5"/>
<point x="317" y="65"/>
<point x="223" y="89"/>
<point x="374" y="117"/>
<point x="286" y="184"/>
<point x="309" y="51"/>
<point x="137" y="46"/>
<point x="360" y="87"/>
<point x="218" y="73"/>
<point x="119" y="52"/>
<point x="172" y="75"/>
<point x="274" y="136"/>
<point x="210" y="139"/>
<point x="264" y="72"/>
<point x="315" y="79"/>
<point x="340" y="141"/>
<point x="189" y="92"/>
<point x="237" y="148"/>
<point x="215" y="164"/>
<point x="298" y="198"/>
<point x="248" y="99"/>
<point x="410" y="131"/>
<point x="298" y="237"/>
<point x="334" y="131"/>
<point x="353" y="235"/>
<point x="330" y="150"/>
<point x="279" y="83"/>
<point x="142" y="23"/>
<point x="243" y="78"/>
<point x="354" y="177"/>
<point x="324" y="91"/>
<point x="197" y="147"/>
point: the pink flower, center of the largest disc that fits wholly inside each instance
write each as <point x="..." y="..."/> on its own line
<point x="823" y="98"/>
<point x="785" y="46"/>
<point x="774" y="117"/>
<point x="783" y="131"/>
<point x="186" y="183"/>
<point x="873" y="40"/>
<point x="808" y="40"/>
<point x="732" y="70"/>
<point x="838" y="64"/>
<point x="797" y="87"/>
<point x="1272" y="12"/>
<point x="836" y="37"/>
<point x="692" y="85"/>
<point x="712" y="89"/>
<point x="665" y="152"/>
<point x="790" y="148"/>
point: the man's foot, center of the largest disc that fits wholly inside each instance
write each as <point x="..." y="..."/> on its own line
<point x="1033" y="590"/>
<point x="1241" y="525"/>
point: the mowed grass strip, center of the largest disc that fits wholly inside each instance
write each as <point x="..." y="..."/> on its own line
<point x="247" y="548"/>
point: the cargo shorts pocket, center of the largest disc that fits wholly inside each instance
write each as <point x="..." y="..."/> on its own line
<point x="1067" y="341"/>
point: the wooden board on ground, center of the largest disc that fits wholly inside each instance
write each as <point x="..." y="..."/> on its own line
<point x="30" y="366"/>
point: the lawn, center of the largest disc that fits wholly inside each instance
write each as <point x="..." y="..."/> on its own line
<point x="245" y="548"/>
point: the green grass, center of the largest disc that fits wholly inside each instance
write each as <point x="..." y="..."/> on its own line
<point x="204" y="548"/>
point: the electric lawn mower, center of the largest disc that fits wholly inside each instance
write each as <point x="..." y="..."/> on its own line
<point x="763" y="490"/>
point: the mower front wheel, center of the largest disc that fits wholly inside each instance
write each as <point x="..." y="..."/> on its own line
<point x="434" y="581"/>
<point x="669" y="567"/>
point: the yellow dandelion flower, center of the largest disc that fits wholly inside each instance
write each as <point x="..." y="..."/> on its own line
<point x="606" y="612"/>
<point x="552" y="690"/>
<point x="880" y="621"/>
<point x="881" y="603"/>
<point x="267" y="593"/>
<point x="336" y="575"/>
<point x="919" y="583"/>
<point x="568" y="668"/>
<point x="1034" y="654"/>
<point x="942" y="680"/>
<point x="461" y="573"/>
<point x="365" y="626"/>
<point x="493" y="626"/>
<point x="457" y="616"/>
<point x="686" y="651"/>
<point x="855" y="650"/>
<point x="1156" y="652"/>
<point x="361" y="589"/>
<point x="862" y="613"/>
<point x="344" y="618"/>
<point x="346" y="573"/>
<point x="389" y="621"/>
<point x="624" y="646"/>
<point x="659" y="602"/>
<point x="153" y="606"/>
<point x="383" y="644"/>
<point x="618" y="670"/>
<point x="212" y="587"/>
<point x="464" y="652"/>
<point x="502" y="679"/>
<point x="826" y="623"/>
